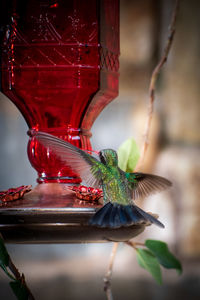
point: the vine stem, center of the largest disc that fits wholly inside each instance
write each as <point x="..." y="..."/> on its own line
<point x="134" y="244"/>
<point x="11" y="266"/>
<point x="107" y="277"/>
<point x="152" y="84"/>
<point x="19" y="277"/>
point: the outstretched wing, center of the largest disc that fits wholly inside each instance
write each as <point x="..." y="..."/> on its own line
<point x="142" y="185"/>
<point x="83" y="164"/>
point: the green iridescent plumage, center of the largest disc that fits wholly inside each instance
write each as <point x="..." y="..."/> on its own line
<point x="119" y="188"/>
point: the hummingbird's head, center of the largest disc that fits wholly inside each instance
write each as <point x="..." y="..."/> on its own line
<point x="109" y="157"/>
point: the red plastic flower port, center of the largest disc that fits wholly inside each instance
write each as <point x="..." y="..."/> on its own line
<point x="14" y="193"/>
<point x="87" y="193"/>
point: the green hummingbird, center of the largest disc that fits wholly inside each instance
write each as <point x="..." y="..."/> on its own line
<point x="120" y="188"/>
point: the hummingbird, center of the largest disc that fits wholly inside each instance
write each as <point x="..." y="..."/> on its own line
<point x="120" y="189"/>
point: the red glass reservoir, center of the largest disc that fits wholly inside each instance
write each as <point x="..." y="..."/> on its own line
<point x="60" y="68"/>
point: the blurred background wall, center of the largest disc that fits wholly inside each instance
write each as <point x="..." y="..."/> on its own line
<point x="76" y="271"/>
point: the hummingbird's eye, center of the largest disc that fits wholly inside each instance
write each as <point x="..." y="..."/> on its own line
<point x="102" y="158"/>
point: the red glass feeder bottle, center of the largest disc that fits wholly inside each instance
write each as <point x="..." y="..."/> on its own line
<point x="60" y="68"/>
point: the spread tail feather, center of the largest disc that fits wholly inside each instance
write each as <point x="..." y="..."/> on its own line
<point x="113" y="215"/>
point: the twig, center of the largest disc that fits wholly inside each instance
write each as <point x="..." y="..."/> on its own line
<point x="19" y="277"/>
<point x="152" y="84"/>
<point x="7" y="262"/>
<point x="134" y="244"/>
<point x="107" y="278"/>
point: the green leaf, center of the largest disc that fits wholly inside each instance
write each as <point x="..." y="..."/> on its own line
<point x="7" y="273"/>
<point x="19" y="290"/>
<point x="149" y="262"/>
<point x="128" y="155"/>
<point x="164" y="256"/>
<point x="4" y="257"/>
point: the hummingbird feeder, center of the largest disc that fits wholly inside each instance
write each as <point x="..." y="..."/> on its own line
<point x="59" y="66"/>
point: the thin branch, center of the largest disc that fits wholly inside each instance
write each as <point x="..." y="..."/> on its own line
<point x="13" y="269"/>
<point x="19" y="277"/>
<point x="107" y="278"/>
<point x="7" y="262"/>
<point x="152" y="84"/>
<point x="134" y="244"/>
